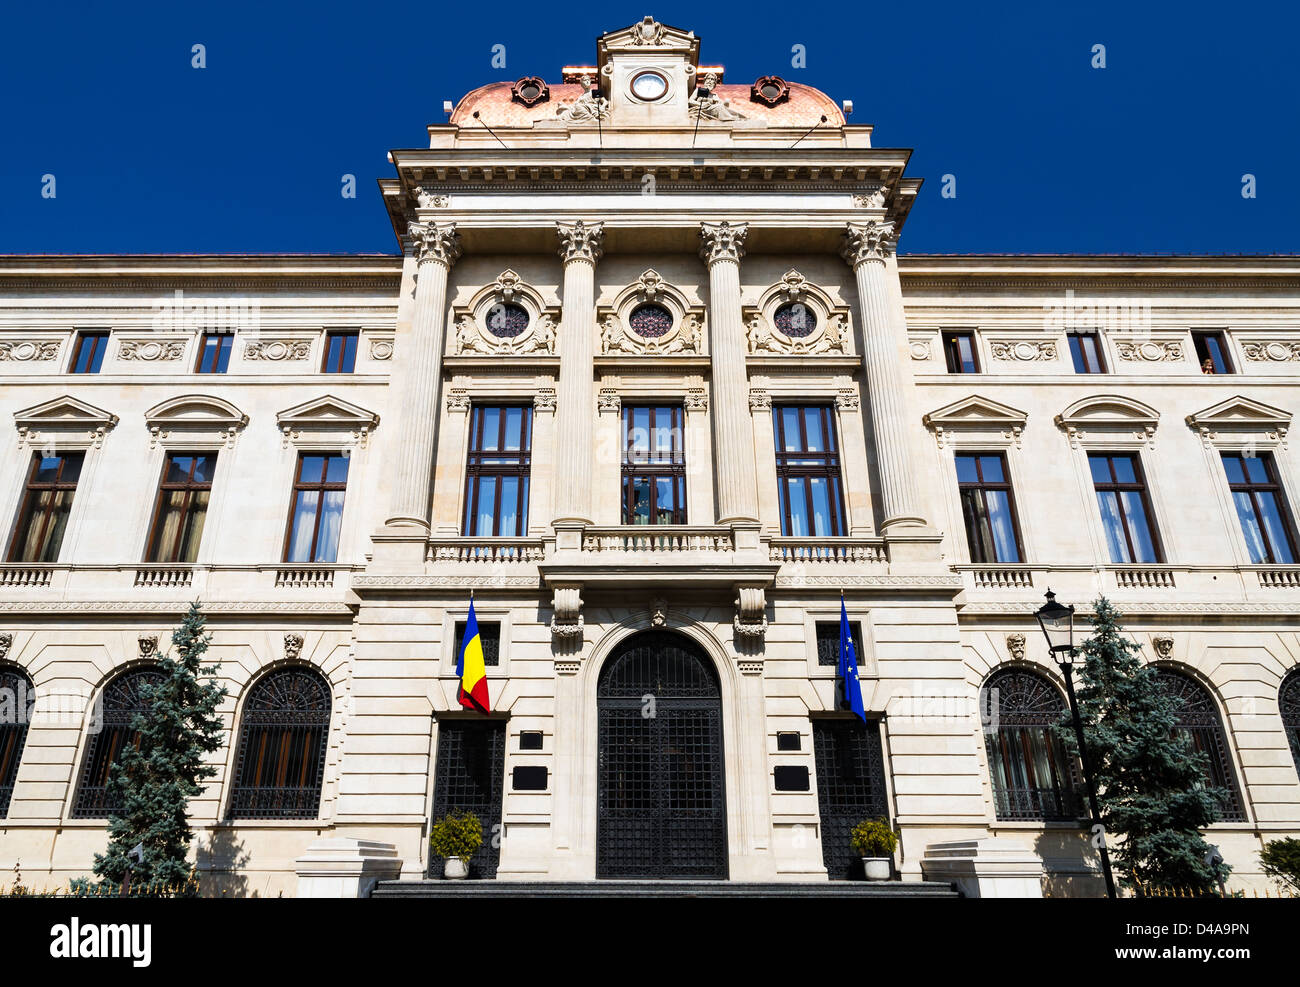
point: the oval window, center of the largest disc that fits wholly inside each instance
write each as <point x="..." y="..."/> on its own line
<point x="507" y="320"/>
<point x="650" y="320"/>
<point x="795" y="319"/>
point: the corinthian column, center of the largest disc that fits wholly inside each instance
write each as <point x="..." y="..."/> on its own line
<point x="722" y="246"/>
<point x="580" y="247"/>
<point x="866" y="246"/>
<point x="436" y="247"/>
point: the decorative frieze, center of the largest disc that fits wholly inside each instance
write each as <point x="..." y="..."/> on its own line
<point x="151" y="350"/>
<point x="1024" y="349"/>
<point x="920" y="349"/>
<point x="29" y="350"/>
<point x="429" y="199"/>
<point x="1149" y="350"/>
<point x="1275" y="351"/>
<point x="278" y="350"/>
<point x="381" y="349"/>
<point x="870" y="200"/>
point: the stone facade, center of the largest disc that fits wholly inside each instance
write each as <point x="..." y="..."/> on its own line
<point x="698" y="200"/>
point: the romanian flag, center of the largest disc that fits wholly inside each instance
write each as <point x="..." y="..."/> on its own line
<point x="473" y="693"/>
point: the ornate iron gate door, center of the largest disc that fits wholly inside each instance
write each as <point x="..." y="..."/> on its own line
<point x="661" y="800"/>
<point x="850" y="787"/>
<point x="468" y="776"/>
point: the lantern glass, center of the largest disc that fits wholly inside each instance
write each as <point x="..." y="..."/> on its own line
<point x="1057" y="622"/>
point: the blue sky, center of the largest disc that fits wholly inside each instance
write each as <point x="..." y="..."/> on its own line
<point x="1048" y="153"/>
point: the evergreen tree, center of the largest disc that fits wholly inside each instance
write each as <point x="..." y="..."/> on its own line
<point x="1150" y="781"/>
<point x="155" y="780"/>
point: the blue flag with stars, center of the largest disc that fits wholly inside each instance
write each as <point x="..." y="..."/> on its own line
<point x="849" y="666"/>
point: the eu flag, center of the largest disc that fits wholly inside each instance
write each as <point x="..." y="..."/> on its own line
<point x="849" y="666"/>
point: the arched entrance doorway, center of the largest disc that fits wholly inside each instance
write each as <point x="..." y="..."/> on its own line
<point x="661" y="786"/>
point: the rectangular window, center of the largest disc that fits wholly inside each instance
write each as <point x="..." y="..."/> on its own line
<point x="828" y="641"/>
<point x="214" y="353"/>
<point x="654" y="465"/>
<point x="1211" y="352"/>
<point x="340" y="352"/>
<point x="1125" y="510"/>
<point x="47" y="500"/>
<point x="988" y="508"/>
<point x="88" y="351"/>
<point x="317" y="511"/>
<point x="1261" y="507"/>
<point x="959" y="350"/>
<point x="182" y="507"/>
<point x="489" y="635"/>
<point x="1085" y="351"/>
<point x="496" y="480"/>
<point x="808" y="471"/>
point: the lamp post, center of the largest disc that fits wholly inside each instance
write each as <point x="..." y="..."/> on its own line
<point x="1057" y="622"/>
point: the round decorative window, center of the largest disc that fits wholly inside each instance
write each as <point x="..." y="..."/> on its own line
<point x="506" y="320"/>
<point x="650" y="320"/>
<point x="795" y="319"/>
<point x="648" y="86"/>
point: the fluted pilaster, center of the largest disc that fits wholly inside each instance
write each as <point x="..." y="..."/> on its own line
<point x="436" y="247"/>
<point x="580" y="249"/>
<point x="866" y="245"/>
<point x="722" y="246"/>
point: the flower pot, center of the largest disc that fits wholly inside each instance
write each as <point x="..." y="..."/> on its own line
<point x="877" y="868"/>
<point x="455" y="869"/>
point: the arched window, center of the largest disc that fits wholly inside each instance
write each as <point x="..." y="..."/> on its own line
<point x="280" y="763"/>
<point x="110" y="734"/>
<point x="16" y="700"/>
<point x="1033" y="775"/>
<point x="1198" y="718"/>
<point x="1288" y="701"/>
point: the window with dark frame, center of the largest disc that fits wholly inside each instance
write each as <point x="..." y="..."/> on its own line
<point x="808" y="471"/>
<point x="283" y="737"/>
<point x="340" y="351"/>
<point x="654" y="465"/>
<point x="214" y="352"/>
<point x="1125" y="508"/>
<point x="1261" y="507"/>
<point x="828" y="641"/>
<point x="1211" y="352"/>
<point x="316" y="512"/>
<point x="959" y="351"/>
<point x="489" y="634"/>
<point x="497" y="471"/>
<point x="1288" y="702"/>
<point x="988" y="508"/>
<point x="1085" y="351"/>
<point x="88" y="351"/>
<point x="182" y="507"/>
<point x="1199" y="720"/>
<point x="123" y="699"/>
<point x="47" y="502"/>
<point x="19" y="699"/>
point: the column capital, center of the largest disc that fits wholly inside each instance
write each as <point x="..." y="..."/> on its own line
<point x="434" y="242"/>
<point x="867" y="241"/>
<point x="722" y="241"/>
<point x="581" y="241"/>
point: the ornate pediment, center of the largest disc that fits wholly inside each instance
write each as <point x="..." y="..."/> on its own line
<point x="196" y="414"/>
<point x="648" y="35"/>
<point x="65" y="417"/>
<point x="1108" y="413"/>
<point x="1241" y="414"/>
<point x="976" y="414"/>
<point x="327" y="415"/>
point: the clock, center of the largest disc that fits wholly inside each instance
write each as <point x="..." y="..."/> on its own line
<point x="649" y="86"/>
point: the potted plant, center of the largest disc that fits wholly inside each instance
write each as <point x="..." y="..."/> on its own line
<point x="875" y="842"/>
<point x="455" y="837"/>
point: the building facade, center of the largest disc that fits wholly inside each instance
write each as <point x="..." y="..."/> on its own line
<point x="650" y="383"/>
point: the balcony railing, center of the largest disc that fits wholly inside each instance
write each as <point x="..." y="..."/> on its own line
<point x="164" y="576"/>
<point x="1279" y="577"/>
<point x="999" y="576"/>
<point x="1143" y="577"/>
<point x="657" y="538"/>
<point x="36" y="576"/>
<point x="843" y="550"/>
<point x="490" y="550"/>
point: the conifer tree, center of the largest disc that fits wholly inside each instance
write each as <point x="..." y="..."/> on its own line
<point x="1151" y="783"/>
<point x="154" y="781"/>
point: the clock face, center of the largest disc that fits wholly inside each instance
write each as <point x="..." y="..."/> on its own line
<point x="648" y="86"/>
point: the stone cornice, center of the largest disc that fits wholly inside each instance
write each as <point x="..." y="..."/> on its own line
<point x="112" y="609"/>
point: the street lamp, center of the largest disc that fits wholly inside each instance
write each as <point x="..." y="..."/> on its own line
<point x="1057" y="622"/>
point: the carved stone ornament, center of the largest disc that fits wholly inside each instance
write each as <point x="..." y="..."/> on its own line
<point x="545" y="399"/>
<point x="920" y="349"/>
<point x="1149" y="350"/>
<point x="381" y="349"/>
<point x="587" y="108"/>
<point x="770" y="90"/>
<point x="277" y="350"/>
<point x="148" y="644"/>
<point x="151" y="350"/>
<point x="434" y="242"/>
<point x="871" y="200"/>
<point x="608" y="402"/>
<point x="648" y="33"/>
<point x="760" y="400"/>
<point x="1016" y="646"/>
<point x="847" y="399"/>
<point x="751" y="612"/>
<point x="710" y="106"/>
<point x="566" y="620"/>
<point x="1276" y="352"/>
<point x="659" y="613"/>
<point x="530" y="90"/>
<point x="686" y="336"/>
<point x="867" y="241"/>
<point x="1163" y="644"/>
<point x="6" y="642"/>
<point x="830" y="336"/>
<point x="1024" y="349"/>
<point x="722" y="241"/>
<point x="697" y="399"/>
<point x="458" y="399"/>
<point x="428" y="199"/>
<point x="292" y="647"/>
<point x="581" y="241"/>
<point x="472" y="337"/>
<point x="29" y="351"/>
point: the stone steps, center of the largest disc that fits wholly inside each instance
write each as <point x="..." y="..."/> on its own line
<point x="661" y="889"/>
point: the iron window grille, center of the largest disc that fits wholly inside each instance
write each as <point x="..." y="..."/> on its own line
<point x="988" y="508"/>
<point x="828" y="642"/>
<point x="123" y="700"/>
<point x="1198" y="720"/>
<point x="497" y="470"/>
<point x="1288" y="701"/>
<point x="469" y="776"/>
<point x="489" y="633"/>
<point x="1261" y="507"/>
<point x="654" y="465"/>
<point x="283" y="736"/>
<point x="47" y="502"/>
<point x="850" y="767"/>
<point x="88" y="352"/>
<point x="17" y="697"/>
<point x="182" y="507"/>
<point x="214" y="353"/>
<point x="1125" y="508"/>
<point x="808" y="471"/>
<point x="1032" y="774"/>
